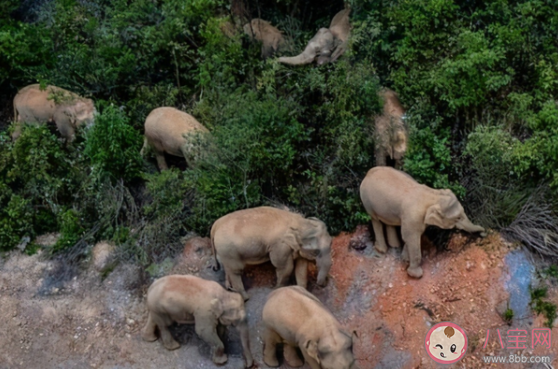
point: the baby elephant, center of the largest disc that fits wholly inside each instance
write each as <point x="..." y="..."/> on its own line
<point x="393" y="198"/>
<point x="169" y="130"/>
<point x="296" y="318"/>
<point x="390" y="131"/>
<point x="254" y="236"/>
<point x="52" y="104"/>
<point x="186" y="299"/>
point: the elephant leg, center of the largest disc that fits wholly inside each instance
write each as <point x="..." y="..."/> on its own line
<point x="18" y="126"/>
<point x="398" y="164"/>
<point x="148" y="332"/>
<point x="405" y="253"/>
<point x="393" y="238"/>
<point x="379" y="232"/>
<point x="207" y="330"/>
<point x="412" y="244"/>
<point x="221" y="331"/>
<point x="166" y="336"/>
<point x="291" y="356"/>
<point x="301" y="272"/>
<point x="235" y="279"/>
<point x="66" y="130"/>
<point x="161" y="162"/>
<point x="381" y="158"/>
<point x="284" y="265"/>
<point x="271" y="339"/>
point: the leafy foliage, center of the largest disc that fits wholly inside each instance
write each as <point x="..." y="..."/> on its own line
<point x="478" y="80"/>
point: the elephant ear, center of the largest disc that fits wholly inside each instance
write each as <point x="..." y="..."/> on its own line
<point x="216" y="307"/>
<point x="434" y="215"/>
<point x="312" y="350"/>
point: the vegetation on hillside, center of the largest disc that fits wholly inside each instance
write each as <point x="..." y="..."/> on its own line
<point x="479" y="80"/>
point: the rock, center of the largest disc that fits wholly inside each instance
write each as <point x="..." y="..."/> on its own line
<point x="102" y="255"/>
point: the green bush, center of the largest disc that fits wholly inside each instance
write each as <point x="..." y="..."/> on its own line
<point x="113" y="146"/>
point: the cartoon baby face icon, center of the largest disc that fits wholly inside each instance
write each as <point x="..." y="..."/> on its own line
<point x="446" y="343"/>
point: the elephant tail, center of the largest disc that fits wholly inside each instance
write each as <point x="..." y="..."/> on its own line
<point x="216" y="266"/>
<point x="144" y="147"/>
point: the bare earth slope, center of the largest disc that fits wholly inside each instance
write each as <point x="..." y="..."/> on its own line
<point x="87" y="321"/>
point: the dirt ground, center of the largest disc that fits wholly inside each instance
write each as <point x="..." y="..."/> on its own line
<point x="93" y="321"/>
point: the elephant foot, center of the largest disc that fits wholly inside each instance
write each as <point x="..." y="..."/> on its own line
<point x="381" y="248"/>
<point x="245" y="296"/>
<point x="220" y="359"/>
<point x="272" y="362"/>
<point x="171" y="345"/>
<point x="148" y="336"/>
<point x="291" y="357"/>
<point x="414" y="272"/>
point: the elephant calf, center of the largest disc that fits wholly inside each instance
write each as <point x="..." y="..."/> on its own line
<point x="296" y="318"/>
<point x="52" y="104"/>
<point x="187" y="299"/>
<point x="390" y="131"/>
<point x="169" y="130"/>
<point x="394" y="198"/>
<point x="254" y="236"/>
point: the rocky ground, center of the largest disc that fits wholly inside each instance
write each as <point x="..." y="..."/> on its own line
<point x="93" y="319"/>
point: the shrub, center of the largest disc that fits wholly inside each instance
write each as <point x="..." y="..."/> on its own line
<point x="113" y="146"/>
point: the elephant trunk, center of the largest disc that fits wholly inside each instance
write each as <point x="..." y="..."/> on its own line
<point x="301" y="59"/>
<point x="242" y="328"/>
<point x="466" y="225"/>
<point x="323" y="262"/>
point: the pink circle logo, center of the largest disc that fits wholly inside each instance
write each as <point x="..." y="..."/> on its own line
<point x="446" y="343"/>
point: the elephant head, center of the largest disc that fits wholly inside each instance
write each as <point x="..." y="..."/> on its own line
<point x="334" y="351"/>
<point x="230" y="311"/>
<point x="320" y="47"/>
<point x="315" y="244"/>
<point x="447" y="213"/>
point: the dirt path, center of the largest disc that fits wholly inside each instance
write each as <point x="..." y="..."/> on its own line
<point x="88" y="321"/>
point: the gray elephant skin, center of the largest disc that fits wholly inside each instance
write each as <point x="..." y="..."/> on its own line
<point x="297" y="319"/>
<point x="394" y="198"/>
<point x="288" y="240"/>
<point x="187" y="299"/>
<point x="66" y="109"/>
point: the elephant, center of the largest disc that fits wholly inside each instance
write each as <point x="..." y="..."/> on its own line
<point x="390" y="134"/>
<point x="319" y="48"/>
<point x="36" y="105"/>
<point x="327" y="45"/>
<point x="256" y="235"/>
<point x="394" y="198"/>
<point x="296" y="318"/>
<point x="340" y="28"/>
<point x="186" y="299"/>
<point x="271" y="38"/>
<point x="169" y="130"/>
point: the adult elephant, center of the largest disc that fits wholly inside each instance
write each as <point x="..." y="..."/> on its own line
<point x="169" y="130"/>
<point x="187" y="299"/>
<point x="254" y="236"/>
<point x="36" y="105"/>
<point x="394" y="198"/>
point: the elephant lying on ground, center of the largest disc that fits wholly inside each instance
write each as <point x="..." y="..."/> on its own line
<point x="327" y="45"/>
<point x="254" y="236"/>
<point x="394" y="198"/>
<point x="390" y="131"/>
<point x="169" y="130"/>
<point x="271" y="38"/>
<point x="187" y="299"/>
<point x="52" y="104"/>
<point x="296" y="318"/>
